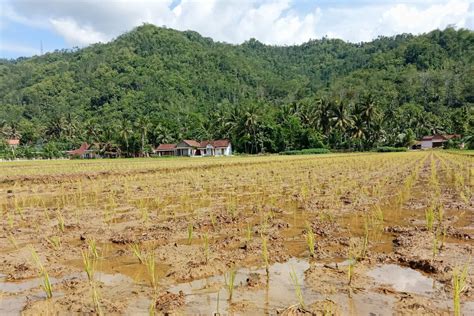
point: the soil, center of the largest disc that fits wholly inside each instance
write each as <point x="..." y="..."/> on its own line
<point x="201" y="221"/>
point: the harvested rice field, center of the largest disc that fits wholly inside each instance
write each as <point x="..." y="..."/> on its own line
<point x="336" y="234"/>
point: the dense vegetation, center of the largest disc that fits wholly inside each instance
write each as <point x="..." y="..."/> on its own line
<point x="156" y="85"/>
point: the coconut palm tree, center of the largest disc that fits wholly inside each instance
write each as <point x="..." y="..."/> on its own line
<point x="144" y="124"/>
<point x="125" y="132"/>
<point x="324" y="112"/>
<point x="342" y="120"/>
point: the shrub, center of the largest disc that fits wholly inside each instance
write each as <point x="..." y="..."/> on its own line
<point x="309" y="151"/>
<point x="387" y="149"/>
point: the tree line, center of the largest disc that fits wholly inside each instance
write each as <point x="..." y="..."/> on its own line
<point x="156" y="85"/>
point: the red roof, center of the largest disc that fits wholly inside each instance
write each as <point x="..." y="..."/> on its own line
<point x="191" y="142"/>
<point x="80" y="151"/>
<point x="166" y="147"/>
<point x="441" y="137"/>
<point x="215" y="143"/>
<point x="13" y="141"/>
<point x="221" y="143"/>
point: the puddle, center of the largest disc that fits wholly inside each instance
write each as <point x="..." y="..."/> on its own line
<point x="113" y="263"/>
<point x="209" y="295"/>
<point x="403" y="279"/>
<point x="21" y="286"/>
<point x="35" y="283"/>
<point x="11" y="305"/>
<point x="278" y="293"/>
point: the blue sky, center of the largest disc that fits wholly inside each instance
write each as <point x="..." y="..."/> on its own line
<point x="25" y="25"/>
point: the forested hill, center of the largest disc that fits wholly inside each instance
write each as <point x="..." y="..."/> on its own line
<point x="155" y="85"/>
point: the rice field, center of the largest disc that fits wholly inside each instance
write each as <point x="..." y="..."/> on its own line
<point x="336" y="234"/>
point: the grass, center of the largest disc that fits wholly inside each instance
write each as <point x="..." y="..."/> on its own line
<point x="459" y="285"/>
<point x="96" y="299"/>
<point x="350" y="270"/>
<point x="429" y="218"/>
<point x="229" y="281"/>
<point x="92" y="245"/>
<point x="310" y="239"/>
<point x="46" y="286"/>
<point x="55" y="242"/>
<point x="137" y="252"/>
<point x="297" y="286"/>
<point x="151" y="268"/>
<point x="89" y="264"/>
<point x="378" y="213"/>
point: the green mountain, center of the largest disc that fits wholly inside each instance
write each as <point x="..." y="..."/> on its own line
<point x="154" y="85"/>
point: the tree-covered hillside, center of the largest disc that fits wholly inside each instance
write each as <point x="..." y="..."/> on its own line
<point x="156" y="85"/>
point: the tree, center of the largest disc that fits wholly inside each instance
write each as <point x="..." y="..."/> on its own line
<point x="125" y="132"/>
<point x="143" y="124"/>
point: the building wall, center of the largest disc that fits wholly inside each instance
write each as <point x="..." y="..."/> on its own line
<point x="426" y="144"/>
<point x="227" y="151"/>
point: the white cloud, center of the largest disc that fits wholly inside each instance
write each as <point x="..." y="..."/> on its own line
<point x="364" y="23"/>
<point x="75" y="34"/>
<point x="83" y="22"/>
<point x="404" y="18"/>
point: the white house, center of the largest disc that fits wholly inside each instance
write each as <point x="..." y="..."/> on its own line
<point x="192" y="148"/>
<point x="221" y="147"/>
<point x="435" y="141"/>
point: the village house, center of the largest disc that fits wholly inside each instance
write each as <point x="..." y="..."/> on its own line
<point x="434" y="141"/>
<point x="96" y="150"/>
<point x="84" y="151"/>
<point x="192" y="148"/>
<point x="166" y="150"/>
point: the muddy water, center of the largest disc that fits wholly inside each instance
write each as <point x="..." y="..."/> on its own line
<point x="114" y="266"/>
<point x="264" y="295"/>
<point x="403" y="279"/>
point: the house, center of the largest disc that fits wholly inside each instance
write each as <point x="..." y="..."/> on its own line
<point x="192" y="148"/>
<point x="436" y="141"/>
<point x="221" y="147"/>
<point x="13" y="142"/>
<point x="95" y="150"/>
<point x="187" y="147"/>
<point x="166" y="150"/>
<point x="416" y="145"/>
<point x="84" y="151"/>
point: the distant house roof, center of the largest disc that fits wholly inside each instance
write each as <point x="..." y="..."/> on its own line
<point x="205" y="143"/>
<point x="215" y="143"/>
<point x="221" y="143"/>
<point x="80" y="151"/>
<point x="440" y="137"/>
<point x="191" y="143"/>
<point x="166" y="147"/>
<point x="13" y="141"/>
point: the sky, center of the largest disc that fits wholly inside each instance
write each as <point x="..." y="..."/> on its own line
<point x="28" y="27"/>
